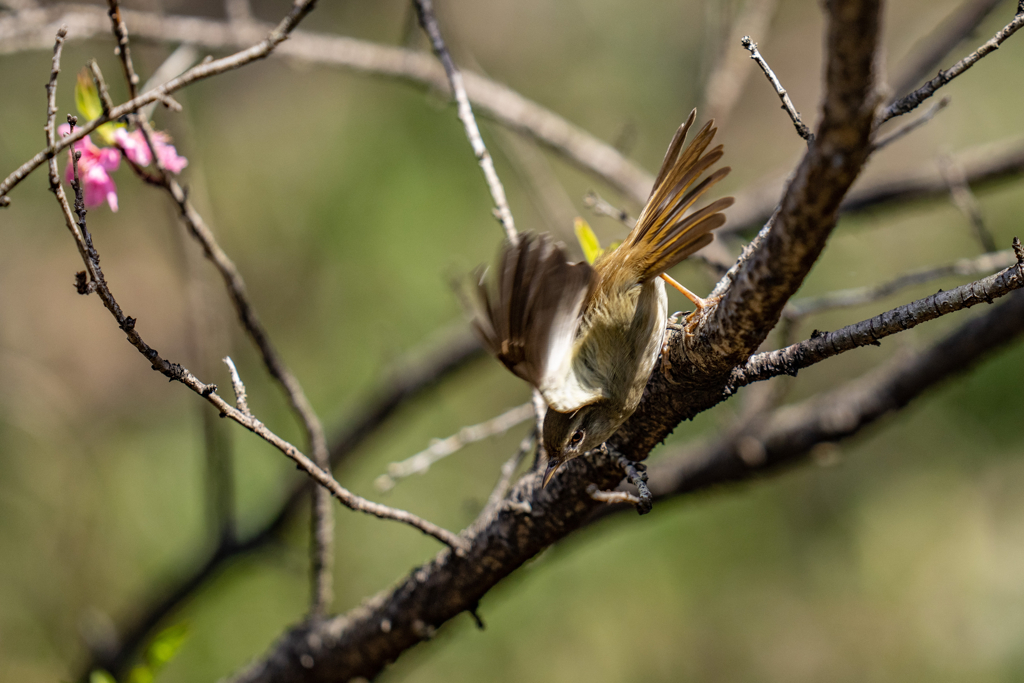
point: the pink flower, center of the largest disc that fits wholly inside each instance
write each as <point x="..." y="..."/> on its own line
<point x="94" y="170"/>
<point x="135" y="147"/>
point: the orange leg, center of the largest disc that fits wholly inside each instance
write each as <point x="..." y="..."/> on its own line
<point x="696" y="300"/>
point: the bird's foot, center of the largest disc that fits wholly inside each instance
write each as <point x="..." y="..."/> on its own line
<point x="636" y="473"/>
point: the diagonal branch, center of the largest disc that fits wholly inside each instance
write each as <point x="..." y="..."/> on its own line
<point x="856" y="296"/>
<point x="787" y="104"/>
<point x="913" y="100"/>
<point x="790" y="360"/>
<point x="32" y="30"/>
<point x="532" y="518"/>
<point x="959" y="25"/>
<point x="299" y="10"/>
<point x="408" y="382"/>
<point x="772" y="268"/>
<point x="425" y="12"/>
<point x="791" y="433"/>
<point x="983" y="165"/>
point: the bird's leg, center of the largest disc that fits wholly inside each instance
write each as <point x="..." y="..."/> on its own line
<point x="636" y="473"/>
<point x="698" y="303"/>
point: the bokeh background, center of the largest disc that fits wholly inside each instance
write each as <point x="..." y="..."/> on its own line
<point x="349" y="203"/>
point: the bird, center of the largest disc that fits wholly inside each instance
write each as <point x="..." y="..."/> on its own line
<point x="588" y="337"/>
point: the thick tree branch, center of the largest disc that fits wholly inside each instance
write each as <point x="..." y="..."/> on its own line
<point x="363" y="641"/>
<point x="754" y="292"/>
<point x="792" y="432"/>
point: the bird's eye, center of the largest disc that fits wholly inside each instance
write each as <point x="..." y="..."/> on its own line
<point x="577" y="437"/>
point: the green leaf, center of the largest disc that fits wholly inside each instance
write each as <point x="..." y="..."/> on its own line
<point x="87" y="97"/>
<point x="100" y="676"/>
<point x="166" y="645"/>
<point x="588" y="240"/>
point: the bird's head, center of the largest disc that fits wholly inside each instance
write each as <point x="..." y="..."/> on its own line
<point x="570" y="435"/>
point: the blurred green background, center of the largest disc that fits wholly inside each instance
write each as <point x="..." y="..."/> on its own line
<point x="348" y="204"/>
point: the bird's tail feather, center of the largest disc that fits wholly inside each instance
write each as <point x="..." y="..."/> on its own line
<point x="665" y="233"/>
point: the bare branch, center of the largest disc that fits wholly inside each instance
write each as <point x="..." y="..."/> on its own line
<point x="123" y="51"/>
<point x="787" y="104"/>
<point x="858" y="296"/>
<point x="793" y="432"/>
<point x="241" y="400"/>
<point x="33" y="30"/>
<point x="442" y="448"/>
<point x="784" y="251"/>
<point x="965" y="201"/>
<point x="212" y="68"/>
<point x="868" y="332"/>
<point x="209" y="391"/>
<point x="983" y="165"/>
<point x="507" y="471"/>
<point x="410" y="380"/>
<point x="425" y="11"/>
<point x="953" y="30"/>
<point x="913" y="125"/>
<point x="914" y="99"/>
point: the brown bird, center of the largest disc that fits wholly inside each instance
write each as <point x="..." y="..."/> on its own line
<point x="588" y="337"/>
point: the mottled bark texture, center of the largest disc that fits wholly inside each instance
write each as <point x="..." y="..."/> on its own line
<point x="362" y="642"/>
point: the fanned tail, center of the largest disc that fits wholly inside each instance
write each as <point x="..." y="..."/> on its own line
<point x="665" y="234"/>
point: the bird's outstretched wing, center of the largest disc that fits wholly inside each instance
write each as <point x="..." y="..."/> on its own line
<point x="529" y="318"/>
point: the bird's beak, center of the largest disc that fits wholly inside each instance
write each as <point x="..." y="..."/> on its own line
<point x="550" y="472"/>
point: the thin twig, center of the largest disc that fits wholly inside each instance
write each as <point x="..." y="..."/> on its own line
<point x="178" y="373"/>
<point x="602" y="207"/>
<point x="442" y="448"/>
<point x="914" y="99"/>
<point x="123" y="51"/>
<point x="966" y="202"/>
<point x="51" y="106"/>
<point x="960" y="24"/>
<point x="425" y="11"/>
<point x="787" y="104"/>
<point x="322" y="522"/>
<point x="197" y="73"/>
<point x="409" y="380"/>
<point x="913" y="125"/>
<point x="490" y="98"/>
<point x="824" y="345"/>
<point x="613" y="497"/>
<point x="184" y="56"/>
<point x="508" y="470"/>
<point x="984" y="164"/>
<point x="241" y="399"/>
<point x="857" y="296"/>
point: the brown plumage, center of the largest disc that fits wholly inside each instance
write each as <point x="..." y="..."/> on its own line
<point x="586" y="336"/>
